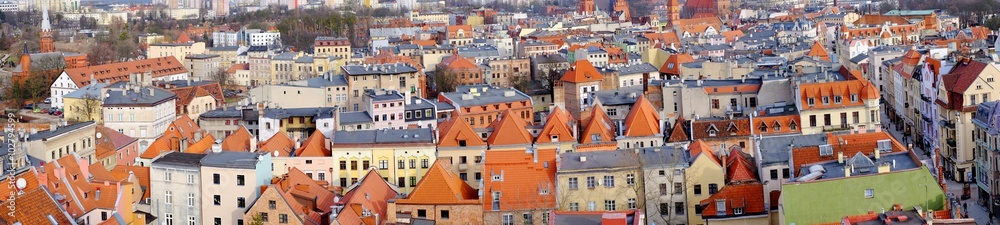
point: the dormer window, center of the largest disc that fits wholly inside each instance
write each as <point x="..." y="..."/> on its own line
<point x="825" y="150"/>
<point x="826" y="100"/>
<point x="792" y="125"/>
<point x="811" y="101"/>
<point x="776" y="127"/>
<point x="837" y="99"/>
<point x="712" y="131"/>
<point x="763" y="127"/>
<point x="854" y="97"/>
<point x="884" y="145"/>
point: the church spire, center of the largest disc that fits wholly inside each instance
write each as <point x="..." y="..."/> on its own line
<point x="46" y="42"/>
<point x="45" y="18"/>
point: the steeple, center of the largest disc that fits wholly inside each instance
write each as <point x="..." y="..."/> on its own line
<point x="45" y="37"/>
<point x="45" y="18"/>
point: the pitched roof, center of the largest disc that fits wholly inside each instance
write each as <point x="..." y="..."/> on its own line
<point x="121" y="173"/>
<point x="643" y="120"/>
<point x="280" y="142"/>
<point x="314" y="146"/>
<point x="819" y="51"/>
<point x="183" y="38"/>
<point x="853" y="144"/>
<point x="509" y="130"/>
<point x="457" y="62"/>
<point x="522" y="177"/>
<point x="238" y="141"/>
<point x="440" y="186"/>
<point x="371" y="193"/>
<point x="455" y="130"/>
<point x="738" y="167"/>
<point x="962" y="75"/>
<point x="776" y="125"/>
<point x="113" y="72"/>
<point x="582" y="71"/>
<point x="816" y="91"/>
<point x="72" y="183"/>
<point x="305" y="196"/>
<point x="557" y="123"/>
<point x="202" y="146"/>
<point x="673" y="63"/>
<point x="600" y="124"/>
<point x="679" y="132"/>
<point x="700" y="148"/>
<point x="34" y="207"/>
<point x="747" y="195"/>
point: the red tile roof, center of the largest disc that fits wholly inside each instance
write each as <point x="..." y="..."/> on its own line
<point x="818" y="51"/>
<point x="557" y="123"/>
<point x="113" y="72"/>
<point x="723" y="128"/>
<point x="679" y="132"/>
<point x="700" y="148"/>
<point x="280" y="142"/>
<point x="314" y="146"/>
<point x="747" y="195"/>
<point x="34" y="207"/>
<point x="853" y="143"/>
<point x="112" y="136"/>
<point x="202" y="146"/>
<point x="816" y="91"/>
<point x="598" y="124"/>
<point x="582" y="71"/>
<point x="738" y="167"/>
<point x="522" y="177"/>
<point x="141" y="173"/>
<point x="509" y="130"/>
<point x="454" y="130"/>
<point x="238" y="141"/>
<point x="457" y="62"/>
<point x="306" y="197"/>
<point x="776" y="125"/>
<point x="962" y="75"/>
<point x="643" y="120"/>
<point x="440" y="186"/>
<point x="673" y="63"/>
<point x="370" y="193"/>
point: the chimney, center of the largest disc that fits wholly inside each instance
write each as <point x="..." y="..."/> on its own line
<point x="217" y="147"/>
<point x="840" y="157"/>
<point x="645" y="83"/>
<point x="97" y="195"/>
<point x="878" y="154"/>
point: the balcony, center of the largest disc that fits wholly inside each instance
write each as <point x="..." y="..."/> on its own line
<point x="951" y="143"/>
<point x="948" y="124"/>
<point x="833" y="128"/>
<point x="925" y="98"/>
<point x="463" y="167"/>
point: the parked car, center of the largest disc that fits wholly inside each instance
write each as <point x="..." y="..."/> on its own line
<point x="29" y="106"/>
<point x="57" y="113"/>
<point x="48" y="101"/>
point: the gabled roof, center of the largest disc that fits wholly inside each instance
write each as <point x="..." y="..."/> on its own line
<point x="121" y="173"/>
<point x="582" y="71"/>
<point x="314" y="146"/>
<point x="34" y="207"/>
<point x="370" y="193"/>
<point x="819" y="52"/>
<point x="440" y="186"/>
<point x="202" y="146"/>
<point x="816" y="91"/>
<point x="509" y="130"/>
<point x="557" y="123"/>
<point x="73" y="184"/>
<point x="522" y="177"/>
<point x="600" y="124"/>
<point x="457" y="62"/>
<point x="853" y="143"/>
<point x="748" y="195"/>
<point x="111" y="136"/>
<point x="113" y="72"/>
<point x="679" y="132"/>
<point x="673" y="63"/>
<point x="305" y="196"/>
<point x="643" y="120"/>
<point x="280" y="143"/>
<point x="455" y="130"/>
<point x="738" y="167"/>
<point x="962" y="75"/>
<point x="238" y="141"/>
<point x="699" y="148"/>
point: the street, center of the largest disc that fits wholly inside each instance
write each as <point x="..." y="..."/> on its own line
<point x="976" y="211"/>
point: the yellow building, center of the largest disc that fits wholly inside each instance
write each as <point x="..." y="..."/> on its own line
<point x="703" y="178"/>
<point x="599" y="181"/>
<point x="177" y="50"/>
<point x="58" y="141"/>
<point x="84" y="104"/>
<point x="401" y="156"/>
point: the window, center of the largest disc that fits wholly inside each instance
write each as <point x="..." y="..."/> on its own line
<point x="574" y="206"/>
<point x="401" y="164"/>
<point x="591" y="206"/>
<point x="421" y="213"/>
<point x="854" y="97"/>
<point x="857" y="118"/>
<point x="240" y="180"/>
<point x="217" y="221"/>
<point x="884" y="145"/>
<point x="424" y="163"/>
<point x="811" y="101"/>
<point x="609" y="181"/>
<point x="365" y="164"/>
<point x="869" y="193"/>
<point x="527" y="219"/>
<point x="826" y="120"/>
<point x="271" y="204"/>
<point x="263" y="216"/>
<point x="496" y="200"/>
<point x="720" y="206"/>
<point x="573" y="183"/>
<point x="697" y="189"/>
<point x="215" y="178"/>
<point x="713" y="188"/>
<point x="282" y="218"/>
<point x="190" y="199"/>
<point x="191" y="220"/>
<point x="217" y="200"/>
<point x="774" y="174"/>
<point x="609" y="205"/>
<point x="738" y="211"/>
<point x="591" y="182"/>
<point x="445" y="214"/>
<point x="354" y="165"/>
<point x="662" y="173"/>
<point x="679" y="208"/>
<point x="383" y="164"/>
<point x="167" y="197"/>
<point x="630" y="179"/>
<point x="413" y="181"/>
<point x="169" y="218"/>
<point x="784" y="173"/>
<point x="837" y="99"/>
<point x="241" y="202"/>
<point x="190" y="178"/>
<point x="632" y="204"/>
<point x="343" y="165"/>
<point x="715" y="103"/>
<point x="166" y="175"/>
<point x="413" y="163"/>
<point x="812" y="121"/>
<point x="508" y="219"/>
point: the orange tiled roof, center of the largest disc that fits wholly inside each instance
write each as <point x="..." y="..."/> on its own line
<point x="724" y="128"/>
<point x="34" y="207"/>
<point x="386" y="56"/>
<point x="522" y="178"/>
<point x="643" y="120"/>
<point x="453" y="31"/>
<point x="141" y="173"/>
<point x="673" y="63"/>
<point x="455" y="130"/>
<point x="441" y="187"/>
<point x="66" y="177"/>
<point x="844" y="89"/>
<point x="557" y="123"/>
<point x="314" y="146"/>
<point x="238" y="141"/>
<point x="280" y="142"/>
<point x="863" y="142"/>
<point x="113" y="72"/>
<point x="202" y="146"/>
<point x="740" y="88"/>
<point x="183" y="38"/>
<point x="877" y="20"/>
<point x="748" y="195"/>
<point x="679" y="132"/>
<point x="732" y="35"/>
<point x="305" y="196"/>
<point x="666" y="38"/>
<point x="700" y="148"/>
<point x="738" y="167"/>
<point x="457" y="62"/>
<point x="819" y="51"/>
<point x="372" y="193"/>
<point x="582" y="71"/>
<point x="773" y="125"/>
<point x="598" y="124"/>
<point x="509" y="130"/>
<point x="31" y="180"/>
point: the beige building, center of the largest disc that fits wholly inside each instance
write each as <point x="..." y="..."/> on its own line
<point x="404" y="78"/>
<point x="599" y="181"/>
<point x="974" y="83"/>
<point x="227" y="55"/>
<point x="827" y="106"/>
<point x="503" y="71"/>
<point x="177" y="50"/>
<point x="401" y="156"/>
<point x="260" y="71"/>
<point x="61" y="140"/>
<point x="203" y="66"/>
<point x="331" y="46"/>
<point x="230" y="182"/>
<point x="704" y="177"/>
<point x="84" y="104"/>
<point x="325" y="91"/>
<point x="144" y="118"/>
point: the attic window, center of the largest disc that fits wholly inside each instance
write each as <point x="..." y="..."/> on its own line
<point x="712" y="131"/>
<point x="792" y="125"/>
<point x="776" y="127"/>
<point x="811" y="101"/>
<point x="854" y="97"/>
<point x="825" y="150"/>
<point x="763" y="127"/>
<point x="884" y="145"/>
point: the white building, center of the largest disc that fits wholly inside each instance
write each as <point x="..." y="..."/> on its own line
<point x="264" y="38"/>
<point x="175" y="188"/>
<point x="139" y="111"/>
<point x="223" y="39"/>
<point x="8" y="6"/>
<point x="230" y="183"/>
<point x="160" y="69"/>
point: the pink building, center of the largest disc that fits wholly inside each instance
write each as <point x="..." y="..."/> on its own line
<point x="115" y="148"/>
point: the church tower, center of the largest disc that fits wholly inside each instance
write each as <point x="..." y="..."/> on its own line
<point x="723" y="8"/>
<point x="673" y="12"/>
<point x="586" y="7"/>
<point x="45" y="37"/>
<point x="622" y="7"/>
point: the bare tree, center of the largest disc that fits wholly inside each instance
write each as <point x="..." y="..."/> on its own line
<point x="219" y="75"/>
<point x="445" y="81"/>
<point x="661" y="198"/>
<point x="86" y="109"/>
<point x="521" y="83"/>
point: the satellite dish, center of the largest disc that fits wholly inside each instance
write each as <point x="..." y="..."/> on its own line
<point x="275" y="154"/>
<point x="99" y="135"/>
<point x="21" y="183"/>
